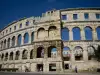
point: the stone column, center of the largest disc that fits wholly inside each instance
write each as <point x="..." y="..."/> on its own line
<point x="10" y="42"/>
<point x="94" y="34"/>
<point x="82" y="34"/>
<point x="85" y="54"/>
<point x="28" y="55"/>
<point x="29" y="37"/>
<point x="14" y="55"/>
<point x="8" y="56"/>
<point x="22" y="41"/>
<point x="35" y="52"/>
<point x="20" y="56"/>
<point x="70" y="34"/>
<point x="72" y="55"/>
<point x="59" y="53"/>
<point x="16" y="39"/>
<point x="46" y="66"/>
<point x="59" y="67"/>
<point x="45" y="52"/>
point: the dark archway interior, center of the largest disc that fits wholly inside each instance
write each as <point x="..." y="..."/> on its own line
<point x="66" y="66"/>
<point x="78" y="57"/>
<point x="52" y="67"/>
<point x="50" y="50"/>
<point x="40" y="67"/>
<point x="39" y="52"/>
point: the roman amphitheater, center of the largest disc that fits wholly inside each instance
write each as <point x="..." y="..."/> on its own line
<point x="57" y="41"/>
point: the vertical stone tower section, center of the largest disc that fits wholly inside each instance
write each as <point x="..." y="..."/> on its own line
<point x="48" y="38"/>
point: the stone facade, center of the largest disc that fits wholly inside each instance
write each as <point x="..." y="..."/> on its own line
<point x="44" y="34"/>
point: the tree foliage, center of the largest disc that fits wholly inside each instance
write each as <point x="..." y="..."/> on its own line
<point x="97" y="53"/>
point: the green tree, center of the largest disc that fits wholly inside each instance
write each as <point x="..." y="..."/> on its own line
<point x="97" y="53"/>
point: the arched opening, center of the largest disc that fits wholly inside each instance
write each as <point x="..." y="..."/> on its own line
<point x="88" y="33"/>
<point x="9" y="43"/>
<point x="66" y="54"/>
<point x="13" y="41"/>
<point x="26" y="38"/>
<point x="41" y="33"/>
<point x="17" y="55"/>
<point x="11" y="56"/>
<point x="64" y="34"/>
<point x="52" y="31"/>
<point x="40" y="52"/>
<point x="24" y="54"/>
<point x="32" y="37"/>
<point x="5" y="43"/>
<point x="2" y="45"/>
<point x="78" y="53"/>
<point x="19" y="40"/>
<point x="76" y="33"/>
<point x="6" y="56"/>
<point x="27" y="23"/>
<point x="90" y="52"/>
<point x="31" y="54"/>
<point x="2" y="57"/>
<point x="98" y="32"/>
<point x="52" y="51"/>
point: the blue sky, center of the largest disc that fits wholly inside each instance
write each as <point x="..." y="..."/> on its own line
<point x="11" y="10"/>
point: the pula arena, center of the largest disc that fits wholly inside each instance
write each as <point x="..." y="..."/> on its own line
<point x="58" y="41"/>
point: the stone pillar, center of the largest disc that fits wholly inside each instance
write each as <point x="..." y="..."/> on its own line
<point x="20" y="56"/>
<point x="14" y="55"/>
<point x="16" y="40"/>
<point x="35" y="52"/>
<point x="11" y="42"/>
<point x="22" y="42"/>
<point x="72" y="55"/>
<point x="59" y="53"/>
<point x="59" y="67"/>
<point x="85" y="54"/>
<point x="94" y="34"/>
<point x="34" y="67"/>
<point x="29" y="37"/>
<point x="46" y="66"/>
<point x="70" y="34"/>
<point x="28" y="55"/>
<point x="82" y="34"/>
<point x="8" y="56"/>
<point x="45" y="52"/>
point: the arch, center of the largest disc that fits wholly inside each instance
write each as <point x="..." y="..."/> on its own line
<point x="76" y="33"/>
<point x="78" y="50"/>
<point x="24" y="54"/>
<point x="13" y="41"/>
<point x="5" y="43"/>
<point x="52" y="50"/>
<point x="64" y="34"/>
<point x="6" y="56"/>
<point x="52" y="31"/>
<point x="1" y="44"/>
<point x="32" y="36"/>
<point x="31" y="54"/>
<point x="19" y="40"/>
<point x="8" y="43"/>
<point x="26" y="37"/>
<point x="98" y="32"/>
<point x="88" y="33"/>
<point x="2" y="56"/>
<point x="90" y="52"/>
<point x="27" y="23"/>
<point x="40" y="52"/>
<point x="17" y="55"/>
<point x="11" y="56"/>
<point x="66" y="53"/>
<point x="41" y="33"/>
